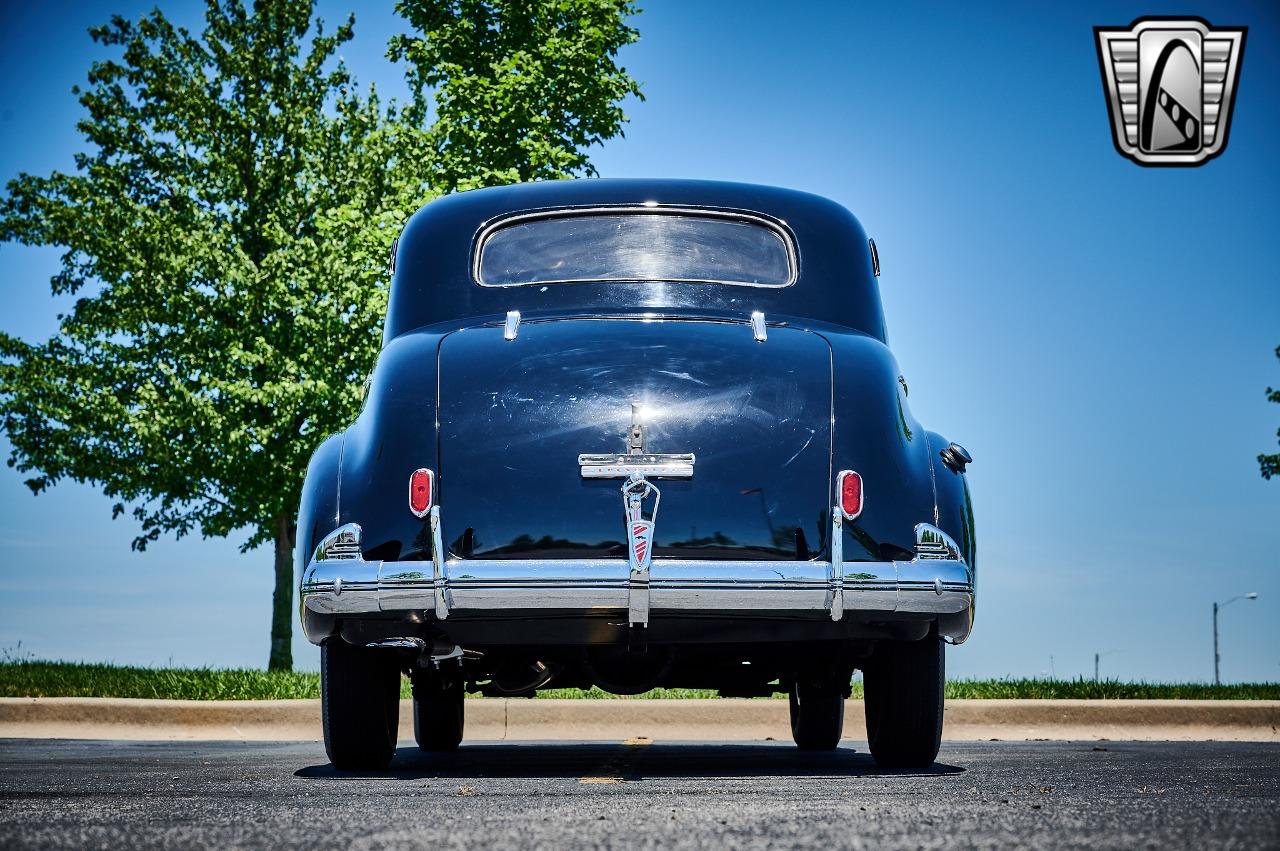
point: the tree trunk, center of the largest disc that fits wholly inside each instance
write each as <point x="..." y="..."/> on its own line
<point x="282" y="601"/>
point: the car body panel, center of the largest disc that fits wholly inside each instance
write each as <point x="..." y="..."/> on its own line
<point x="515" y="416"/>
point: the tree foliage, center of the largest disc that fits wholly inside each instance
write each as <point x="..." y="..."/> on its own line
<point x="204" y="336"/>
<point x="1270" y="464"/>
<point x="226" y="231"/>
<point x="520" y="90"/>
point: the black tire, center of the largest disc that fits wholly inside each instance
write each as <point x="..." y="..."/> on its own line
<point x="438" y="710"/>
<point x="817" y="715"/>
<point x="903" y="689"/>
<point x="360" y="705"/>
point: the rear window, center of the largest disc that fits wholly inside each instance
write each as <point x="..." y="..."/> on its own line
<point x="636" y="246"/>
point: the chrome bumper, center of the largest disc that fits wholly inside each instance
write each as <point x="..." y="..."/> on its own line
<point x="935" y="583"/>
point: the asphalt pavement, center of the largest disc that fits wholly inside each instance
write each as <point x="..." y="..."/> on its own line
<point x="79" y="794"/>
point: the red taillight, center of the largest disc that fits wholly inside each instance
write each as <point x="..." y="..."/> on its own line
<point x="849" y="488"/>
<point x="421" y="490"/>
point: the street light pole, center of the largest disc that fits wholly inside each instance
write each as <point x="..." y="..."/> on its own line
<point x="1096" y="658"/>
<point x="1217" y="658"/>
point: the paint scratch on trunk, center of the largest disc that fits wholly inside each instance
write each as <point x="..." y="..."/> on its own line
<point x="802" y="448"/>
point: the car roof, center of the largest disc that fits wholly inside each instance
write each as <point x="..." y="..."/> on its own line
<point x="433" y="281"/>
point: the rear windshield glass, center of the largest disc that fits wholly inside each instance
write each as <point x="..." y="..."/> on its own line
<point x="636" y="246"/>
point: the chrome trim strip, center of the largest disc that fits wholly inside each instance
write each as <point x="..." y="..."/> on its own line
<point x="619" y="466"/>
<point x="337" y="498"/>
<point x="933" y="543"/>
<point x="440" y="576"/>
<point x="776" y="226"/>
<point x="484" y="585"/>
<point x="674" y="584"/>
<point x="341" y="544"/>
<point x="837" y="558"/>
<point x="933" y="478"/>
<point x="942" y="587"/>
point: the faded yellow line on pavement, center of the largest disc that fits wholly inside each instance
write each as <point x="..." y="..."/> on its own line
<point x="617" y="768"/>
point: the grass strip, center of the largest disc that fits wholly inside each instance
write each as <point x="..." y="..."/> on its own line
<point x="80" y="679"/>
<point x="34" y="678"/>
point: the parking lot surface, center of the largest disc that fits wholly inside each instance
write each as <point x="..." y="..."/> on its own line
<point x="58" y="794"/>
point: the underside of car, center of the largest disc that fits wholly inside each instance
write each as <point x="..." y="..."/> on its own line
<point x="902" y="675"/>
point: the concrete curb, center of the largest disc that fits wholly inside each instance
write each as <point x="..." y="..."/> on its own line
<point x="664" y="720"/>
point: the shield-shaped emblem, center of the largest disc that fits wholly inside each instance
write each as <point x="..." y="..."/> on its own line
<point x="641" y="539"/>
<point x="1170" y="85"/>
<point x="639" y="544"/>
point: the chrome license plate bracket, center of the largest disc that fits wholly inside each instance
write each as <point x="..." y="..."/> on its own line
<point x="620" y="466"/>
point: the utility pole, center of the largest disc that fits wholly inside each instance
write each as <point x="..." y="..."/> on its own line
<point x="1096" y="658"/>
<point x="1217" y="657"/>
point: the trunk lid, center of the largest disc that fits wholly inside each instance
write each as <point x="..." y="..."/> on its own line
<point x="515" y="415"/>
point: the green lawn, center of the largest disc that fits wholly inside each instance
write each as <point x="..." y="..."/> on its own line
<point x="71" y="679"/>
<point x="30" y="678"/>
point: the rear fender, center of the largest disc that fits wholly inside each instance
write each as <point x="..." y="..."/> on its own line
<point x="362" y="475"/>
<point x="955" y="506"/>
<point x="394" y="435"/>
<point x="876" y="436"/>
<point x="317" y="516"/>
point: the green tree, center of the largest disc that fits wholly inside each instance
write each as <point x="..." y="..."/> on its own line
<point x="205" y="355"/>
<point x="226" y="231"/>
<point x="1271" y="463"/>
<point x="520" y="89"/>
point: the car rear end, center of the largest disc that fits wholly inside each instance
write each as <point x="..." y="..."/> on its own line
<point x="654" y="492"/>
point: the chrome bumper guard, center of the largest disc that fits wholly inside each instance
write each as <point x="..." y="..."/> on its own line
<point x="937" y="581"/>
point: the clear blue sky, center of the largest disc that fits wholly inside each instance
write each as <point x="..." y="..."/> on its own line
<point x="1099" y="335"/>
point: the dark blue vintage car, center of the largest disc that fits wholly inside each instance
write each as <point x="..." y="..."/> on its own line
<point x="627" y="434"/>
